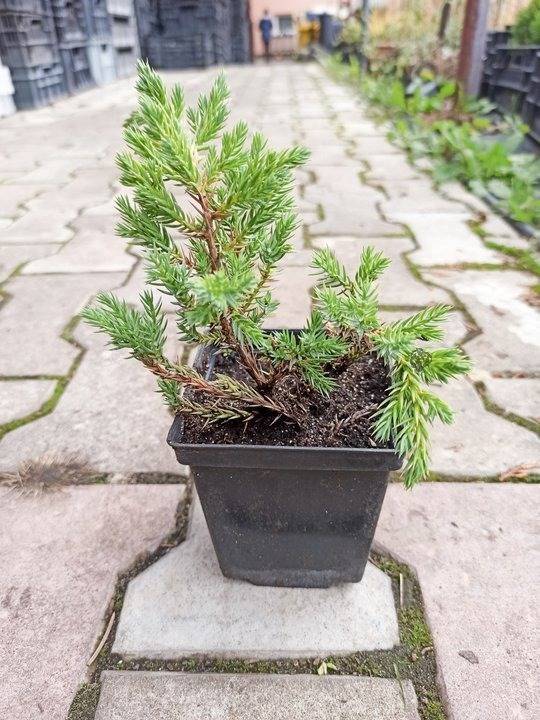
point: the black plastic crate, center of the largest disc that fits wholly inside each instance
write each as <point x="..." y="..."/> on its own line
<point x="76" y="68"/>
<point x="35" y="87"/>
<point x="28" y="39"/>
<point x="70" y="20"/>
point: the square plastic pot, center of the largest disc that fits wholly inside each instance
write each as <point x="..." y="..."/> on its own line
<point x="288" y="516"/>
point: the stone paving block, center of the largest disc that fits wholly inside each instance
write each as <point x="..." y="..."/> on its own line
<point x="174" y="696"/>
<point x="19" y="398"/>
<point x="11" y="256"/>
<point x="391" y="167"/>
<point x="13" y="197"/>
<point x="291" y="289"/>
<point x="54" y="171"/>
<point x="479" y="443"/>
<point x="33" y="319"/>
<point x="37" y="226"/>
<point x="501" y="232"/>
<point x="110" y="415"/>
<point x="397" y="286"/>
<point x="60" y="555"/>
<point x="444" y="239"/>
<point x="516" y="395"/>
<point x="183" y="606"/>
<point x="330" y="155"/>
<point x="418" y="196"/>
<point x="349" y="207"/>
<point x="475" y="550"/>
<point x="355" y="129"/>
<point x="373" y="145"/>
<point x="510" y="337"/>
<point x="86" y="252"/>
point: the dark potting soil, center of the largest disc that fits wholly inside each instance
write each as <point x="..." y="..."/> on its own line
<point x="342" y="419"/>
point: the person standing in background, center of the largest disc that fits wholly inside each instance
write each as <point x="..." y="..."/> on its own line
<point x="265" y="26"/>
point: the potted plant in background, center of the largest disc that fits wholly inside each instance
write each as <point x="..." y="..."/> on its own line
<point x="290" y="435"/>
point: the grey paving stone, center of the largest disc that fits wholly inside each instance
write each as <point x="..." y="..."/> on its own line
<point x="86" y="252"/>
<point x="13" y="197"/>
<point x="397" y="286"/>
<point x="291" y="289"/>
<point x="19" y="398"/>
<point x="444" y="239"/>
<point x="33" y="319"/>
<point x="391" y="167"/>
<point x="182" y="606"/>
<point x="60" y="555"/>
<point x="11" y="256"/>
<point x="475" y="550"/>
<point x="36" y="226"/>
<point x="516" y="395"/>
<point x="417" y="196"/>
<point x="510" y="337"/>
<point x="110" y="415"/>
<point x="54" y="171"/>
<point x="331" y="155"/>
<point x="479" y="443"/>
<point x="349" y="207"/>
<point x="174" y="696"/>
<point x="367" y="146"/>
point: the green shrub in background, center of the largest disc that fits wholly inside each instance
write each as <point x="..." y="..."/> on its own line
<point x="526" y="30"/>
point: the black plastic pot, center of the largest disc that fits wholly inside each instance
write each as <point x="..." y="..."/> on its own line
<point x="288" y="516"/>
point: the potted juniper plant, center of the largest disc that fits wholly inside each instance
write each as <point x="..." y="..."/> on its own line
<point x="290" y="434"/>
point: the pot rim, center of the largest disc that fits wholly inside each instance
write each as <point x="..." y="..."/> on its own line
<point x="266" y="456"/>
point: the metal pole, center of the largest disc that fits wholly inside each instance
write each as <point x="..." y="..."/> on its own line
<point x="364" y="22"/>
<point x="473" y="41"/>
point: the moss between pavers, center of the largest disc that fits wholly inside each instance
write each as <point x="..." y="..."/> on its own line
<point x="414" y="659"/>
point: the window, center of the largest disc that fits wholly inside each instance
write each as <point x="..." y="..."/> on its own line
<point x="285" y="25"/>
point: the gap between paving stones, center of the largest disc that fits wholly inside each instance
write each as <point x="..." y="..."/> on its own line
<point x="67" y="334"/>
<point x="414" y="659"/>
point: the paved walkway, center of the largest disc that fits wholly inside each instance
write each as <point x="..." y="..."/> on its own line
<point x="62" y="393"/>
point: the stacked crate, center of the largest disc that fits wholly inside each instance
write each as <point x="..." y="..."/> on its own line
<point x="70" y="20"/>
<point x="29" y="49"/>
<point x="101" y="55"/>
<point x="124" y="35"/>
<point x="184" y="33"/>
<point x="240" y="31"/>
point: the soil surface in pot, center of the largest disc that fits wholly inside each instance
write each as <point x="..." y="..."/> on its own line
<point x="342" y="419"/>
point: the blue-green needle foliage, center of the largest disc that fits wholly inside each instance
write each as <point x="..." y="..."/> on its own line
<point x="212" y="211"/>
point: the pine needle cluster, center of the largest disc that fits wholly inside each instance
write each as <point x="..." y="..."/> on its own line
<point x="212" y="211"/>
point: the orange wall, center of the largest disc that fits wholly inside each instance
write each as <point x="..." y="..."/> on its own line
<point x="296" y="8"/>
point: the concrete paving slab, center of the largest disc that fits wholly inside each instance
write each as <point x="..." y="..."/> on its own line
<point x="510" y="337"/>
<point x="86" y="252"/>
<point x="291" y="289"/>
<point x="418" y="196"/>
<point x="174" y="696"/>
<point x="11" y="256"/>
<point x="32" y="321"/>
<point x="479" y="443"/>
<point x="390" y="167"/>
<point x="60" y="554"/>
<point x="516" y="395"/>
<point x="475" y="550"/>
<point x="13" y="197"/>
<point x="110" y="415"/>
<point x="444" y="239"/>
<point x="373" y="145"/>
<point x="397" y="286"/>
<point x="183" y="606"/>
<point x="36" y="226"/>
<point x="19" y="398"/>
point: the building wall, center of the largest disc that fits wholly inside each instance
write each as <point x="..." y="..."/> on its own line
<point x="296" y="9"/>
